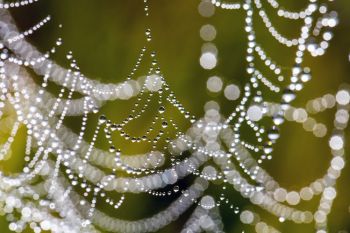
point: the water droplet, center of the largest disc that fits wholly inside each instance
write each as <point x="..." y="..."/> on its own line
<point x="161" y="109"/>
<point x="69" y="56"/>
<point x="114" y="127"/>
<point x="288" y="95"/>
<point x="268" y="148"/>
<point x="273" y="133"/>
<point x="59" y="42"/>
<point x="111" y="149"/>
<point x="278" y="119"/>
<point x="164" y="124"/>
<point x="102" y="119"/>
<point x="306" y="75"/>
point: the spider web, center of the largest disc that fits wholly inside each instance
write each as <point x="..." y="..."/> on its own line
<point x="66" y="175"/>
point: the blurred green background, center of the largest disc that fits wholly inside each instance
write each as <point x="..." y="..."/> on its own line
<point x="106" y="37"/>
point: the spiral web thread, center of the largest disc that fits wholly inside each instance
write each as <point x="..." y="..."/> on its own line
<point x="44" y="196"/>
